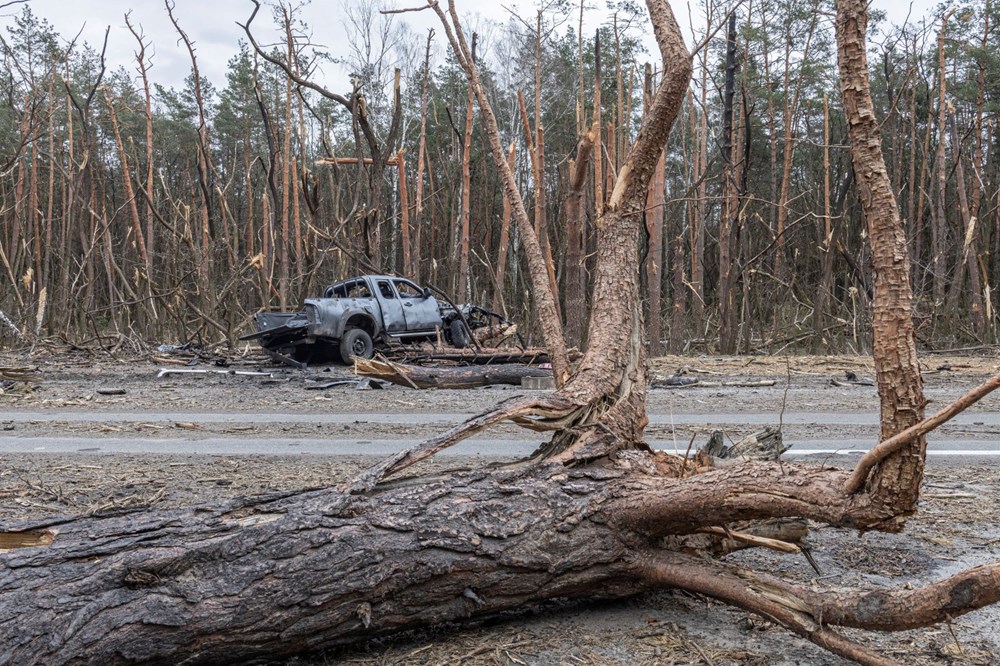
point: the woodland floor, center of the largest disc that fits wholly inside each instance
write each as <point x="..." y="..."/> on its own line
<point x="958" y="525"/>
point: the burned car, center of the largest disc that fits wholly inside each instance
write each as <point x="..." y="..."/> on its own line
<point x="356" y="316"/>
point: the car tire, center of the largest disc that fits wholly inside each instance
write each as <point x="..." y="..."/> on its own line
<point x="459" y="334"/>
<point x="356" y="342"/>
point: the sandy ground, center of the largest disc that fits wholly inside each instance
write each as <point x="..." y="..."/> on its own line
<point x="958" y="525"/>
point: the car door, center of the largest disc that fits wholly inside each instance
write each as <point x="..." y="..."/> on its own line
<point x="392" y="308"/>
<point x="421" y="312"/>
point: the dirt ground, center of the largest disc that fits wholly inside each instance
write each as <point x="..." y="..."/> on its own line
<point x="958" y="525"/>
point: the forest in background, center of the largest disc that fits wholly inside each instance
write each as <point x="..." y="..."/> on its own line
<point x="134" y="212"/>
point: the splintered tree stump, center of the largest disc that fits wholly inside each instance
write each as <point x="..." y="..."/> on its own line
<point x="766" y="444"/>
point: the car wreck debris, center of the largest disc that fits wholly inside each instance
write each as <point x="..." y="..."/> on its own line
<point x="355" y="317"/>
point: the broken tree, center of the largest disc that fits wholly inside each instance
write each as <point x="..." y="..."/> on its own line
<point x="593" y="513"/>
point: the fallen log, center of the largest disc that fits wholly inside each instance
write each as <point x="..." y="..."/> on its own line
<point x="485" y="356"/>
<point x="416" y="376"/>
<point x="286" y="574"/>
<point x="20" y="374"/>
<point x="680" y="381"/>
<point x="495" y="334"/>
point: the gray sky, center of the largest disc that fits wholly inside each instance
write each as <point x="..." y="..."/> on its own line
<point x="211" y="24"/>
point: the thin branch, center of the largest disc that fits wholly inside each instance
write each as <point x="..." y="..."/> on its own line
<point x="882" y="450"/>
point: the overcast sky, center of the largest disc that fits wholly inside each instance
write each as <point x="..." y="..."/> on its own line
<point x="211" y="24"/>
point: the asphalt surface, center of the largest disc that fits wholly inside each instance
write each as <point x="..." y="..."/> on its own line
<point x="972" y="435"/>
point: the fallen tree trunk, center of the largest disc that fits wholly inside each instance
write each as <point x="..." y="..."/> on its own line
<point x="422" y="377"/>
<point x="281" y="575"/>
<point x="594" y="513"/>
<point x="485" y="356"/>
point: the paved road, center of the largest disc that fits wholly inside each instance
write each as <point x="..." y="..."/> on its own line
<point x="472" y="447"/>
<point x="453" y="418"/>
<point x="982" y="440"/>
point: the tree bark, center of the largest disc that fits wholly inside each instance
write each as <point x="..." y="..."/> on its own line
<point x="545" y="305"/>
<point x="900" y="387"/>
<point x="290" y="573"/>
<point x="679" y="287"/>
<point x="727" y="262"/>
<point x="413" y="270"/>
<point x="463" y="287"/>
<point x="498" y="300"/>
<point x="279" y="575"/>
<point x="824" y="292"/>
<point x="415" y="376"/>
<point x="966" y="264"/>
<point x="655" y="210"/>
<point x="939" y="219"/>
<point x="575" y="283"/>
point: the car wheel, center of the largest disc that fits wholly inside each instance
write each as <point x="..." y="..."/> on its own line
<point x="459" y="334"/>
<point x="356" y="342"/>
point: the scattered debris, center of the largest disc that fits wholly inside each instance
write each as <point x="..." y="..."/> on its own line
<point x="19" y="374"/>
<point x="189" y="353"/>
<point x="192" y="371"/>
<point x="486" y="356"/>
<point x="853" y="380"/>
<point x="362" y="384"/>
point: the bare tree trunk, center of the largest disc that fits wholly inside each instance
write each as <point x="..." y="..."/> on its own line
<point x="679" y="288"/>
<point x="655" y="209"/>
<point x="206" y="170"/>
<point x="697" y="236"/>
<point x="977" y="168"/>
<point x="498" y="302"/>
<point x="912" y="186"/>
<point x="727" y="262"/>
<point x="598" y="130"/>
<point x="824" y="292"/>
<point x="541" y="288"/>
<point x="939" y="223"/>
<point x="463" y="287"/>
<point x="150" y="253"/>
<point x="900" y="387"/>
<point x="575" y="283"/>
<point x="791" y="107"/>
<point x="968" y="250"/>
<point x="404" y="214"/>
<point x="418" y="211"/>
<point x="922" y="188"/>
